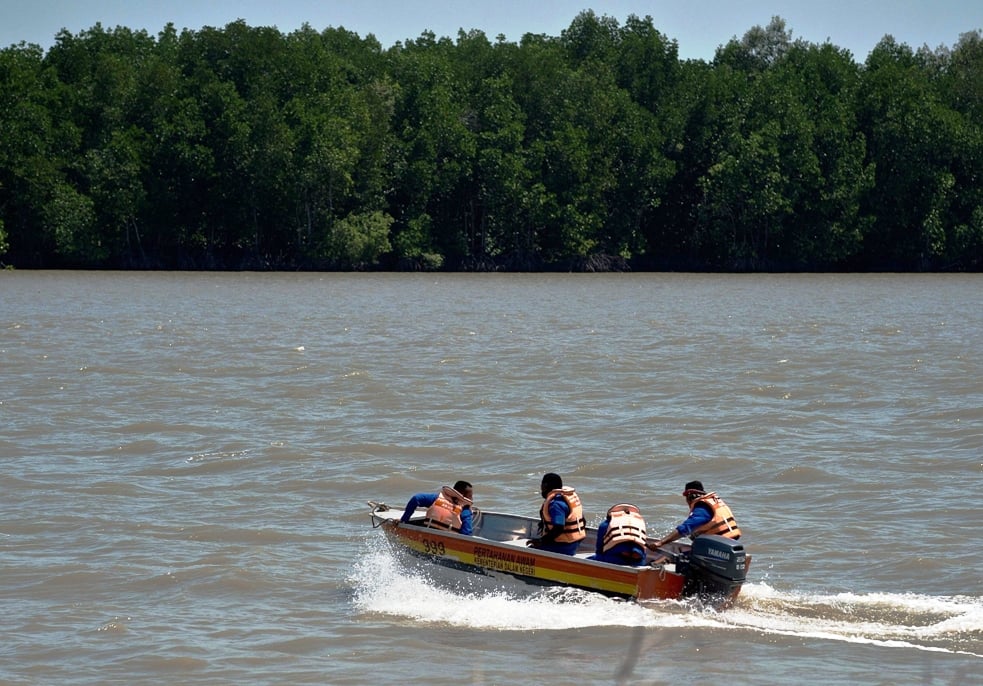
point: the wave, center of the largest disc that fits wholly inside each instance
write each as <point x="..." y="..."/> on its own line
<point x="925" y="622"/>
<point x="952" y="624"/>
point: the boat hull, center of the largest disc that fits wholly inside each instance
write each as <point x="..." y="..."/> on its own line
<point x="498" y="551"/>
<point x="536" y="567"/>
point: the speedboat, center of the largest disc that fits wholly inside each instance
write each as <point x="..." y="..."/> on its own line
<point x="710" y="568"/>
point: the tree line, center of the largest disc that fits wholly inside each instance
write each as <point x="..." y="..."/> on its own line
<point x="599" y="149"/>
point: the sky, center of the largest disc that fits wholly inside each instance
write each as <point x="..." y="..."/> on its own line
<point x="698" y="26"/>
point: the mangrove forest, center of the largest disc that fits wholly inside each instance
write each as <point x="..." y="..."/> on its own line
<point x="248" y="148"/>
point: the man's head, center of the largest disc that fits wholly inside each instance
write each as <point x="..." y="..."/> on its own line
<point x="465" y="489"/>
<point x="550" y="482"/>
<point x="693" y="490"/>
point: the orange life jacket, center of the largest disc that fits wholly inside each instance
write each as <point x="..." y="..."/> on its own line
<point x="625" y="524"/>
<point x="723" y="522"/>
<point x="445" y="512"/>
<point x="575" y="528"/>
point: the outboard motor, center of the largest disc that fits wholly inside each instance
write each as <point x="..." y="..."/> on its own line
<point x="716" y="566"/>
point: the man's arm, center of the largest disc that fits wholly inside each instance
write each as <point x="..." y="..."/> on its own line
<point x="602" y="531"/>
<point x="467" y="521"/>
<point x="419" y="500"/>
<point x="558" y="519"/>
<point x="697" y="517"/>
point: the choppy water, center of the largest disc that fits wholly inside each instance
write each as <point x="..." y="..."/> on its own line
<point x="186" y="460"/>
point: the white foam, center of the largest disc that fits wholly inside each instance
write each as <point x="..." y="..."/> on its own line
<point x="888" y="619"/>
<point x="382" y="586"/>
<point x="932" y="623"/>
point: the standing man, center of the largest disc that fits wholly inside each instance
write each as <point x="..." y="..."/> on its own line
<point x="561" y="519"/>
<point x="708" y="514"/>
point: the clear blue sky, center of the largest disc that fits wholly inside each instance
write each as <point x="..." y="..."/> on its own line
<point x="699" y="26"/>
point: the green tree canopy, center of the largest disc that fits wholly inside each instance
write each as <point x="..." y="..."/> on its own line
<point x="243" y="147"/>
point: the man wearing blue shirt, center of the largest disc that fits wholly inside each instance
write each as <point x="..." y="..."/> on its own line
<point x="708" y="514"/>
<point x="561" y="518"/>
<point x="621" y="537"/>
<point x="464" y="494"/>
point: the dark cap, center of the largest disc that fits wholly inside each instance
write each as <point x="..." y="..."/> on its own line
<point x="694" y="486"/>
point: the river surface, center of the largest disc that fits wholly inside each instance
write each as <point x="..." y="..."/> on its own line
<point x="186" y="460"/>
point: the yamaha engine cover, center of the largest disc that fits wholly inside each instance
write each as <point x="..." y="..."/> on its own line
<point x="716" y="566"/>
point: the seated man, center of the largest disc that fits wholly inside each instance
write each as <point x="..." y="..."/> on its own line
<point x="621" y="537"/>
<point x="561" y="518"/>
<point x="708" y="514"/>
<point x="449" y="509"/>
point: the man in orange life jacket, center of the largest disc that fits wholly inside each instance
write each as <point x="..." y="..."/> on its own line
<point x="448" y="509"/>
<point x="621" y="537"/>
<point x="561" y="518"/>
<point x="708" y="514"/>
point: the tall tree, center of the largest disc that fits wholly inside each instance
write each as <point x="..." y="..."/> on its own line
<point x="433" y="123"/>
<point x="912" y="139"/>
<point x="46" y="220"/>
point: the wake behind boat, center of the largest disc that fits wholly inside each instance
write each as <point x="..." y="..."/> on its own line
<point x="712" y="568"/>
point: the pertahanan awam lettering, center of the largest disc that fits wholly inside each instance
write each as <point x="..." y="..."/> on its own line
<point x="504" y="561"/>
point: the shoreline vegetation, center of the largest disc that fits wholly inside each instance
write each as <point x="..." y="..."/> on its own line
<point x="244" y="148"/>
